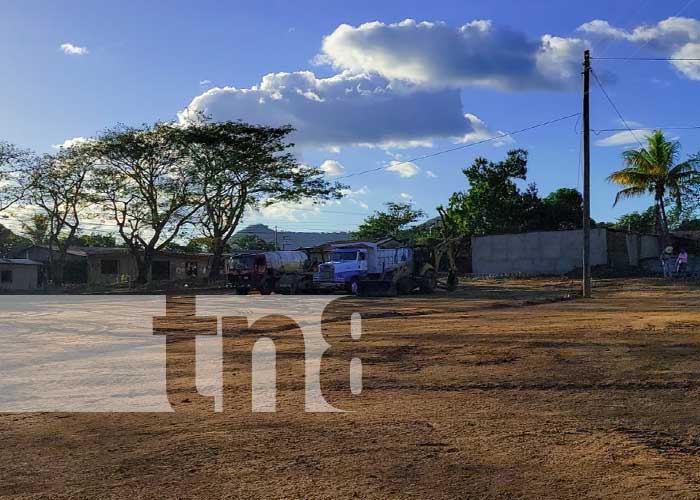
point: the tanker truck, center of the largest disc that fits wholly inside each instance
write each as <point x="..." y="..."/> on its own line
<point x="362" y="268"/>
<point x="282" y="272"/>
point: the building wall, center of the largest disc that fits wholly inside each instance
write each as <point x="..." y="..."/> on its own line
<point x="127" y="269"/>
<point x="24" y="277"/>
<point x="75" y="270"/>
<point x="622" y="249"/>
<point x="546" y="252"/>
<point x="650" y="247"/>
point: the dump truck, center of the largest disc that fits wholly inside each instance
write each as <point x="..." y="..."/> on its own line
<point x="267" y="272"/>
<point x="365" y="269"/>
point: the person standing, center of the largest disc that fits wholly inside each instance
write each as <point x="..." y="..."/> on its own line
<point x="682" y="263"/>
<point x="666" y="261"/>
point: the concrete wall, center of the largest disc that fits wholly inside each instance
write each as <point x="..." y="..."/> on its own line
<point x="547" y="252"/>
<point x="24" y="277"/>
<point x="128" y="271"/>
<point x="650" y="247"/>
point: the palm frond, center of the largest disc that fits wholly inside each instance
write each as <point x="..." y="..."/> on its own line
<point x="630" y="177"/>
<point x="630" y="192"/>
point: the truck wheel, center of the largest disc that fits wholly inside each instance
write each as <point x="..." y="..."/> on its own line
<point x="354" y="287"/>
<point x="266" y="287"/>
<point x="429" y="282"/>
<point x="404" y="286"/>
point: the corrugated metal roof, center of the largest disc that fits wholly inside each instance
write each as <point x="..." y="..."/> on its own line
<point x="20" y="262"/>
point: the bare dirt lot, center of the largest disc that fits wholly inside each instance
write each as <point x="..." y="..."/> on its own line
<point x="495" y="391"/>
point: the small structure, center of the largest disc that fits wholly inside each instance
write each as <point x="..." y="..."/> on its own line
<point x="107" y="266"/>
<point x="20" y="275"/>
<point x="560" y="252"/>
<point x="75" y="267"/>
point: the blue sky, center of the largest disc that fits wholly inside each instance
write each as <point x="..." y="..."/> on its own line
<point x="368" y="94"/>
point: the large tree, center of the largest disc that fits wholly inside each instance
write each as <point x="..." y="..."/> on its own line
<point x="144" y="186"/>
<point x="644" y="222"/>
<point x="235" y="167"/>
<point x="493" y="203"/>
<point x="393" y="222"/>
<point x="14" y="163"/>
<point x="563" y="209"/>
<point x="58" y="186"/>
<point x="655" y="170"/>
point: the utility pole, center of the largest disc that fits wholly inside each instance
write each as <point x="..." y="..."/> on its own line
<point x="586" y="177"/>
<point x="276" y="247"/>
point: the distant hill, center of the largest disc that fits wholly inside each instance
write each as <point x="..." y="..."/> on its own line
<point x="289" y="240"/>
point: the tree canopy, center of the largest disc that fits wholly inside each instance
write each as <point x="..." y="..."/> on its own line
<point x="235" y="167"/>
<point x="655" y="170"/>
<point x="393" y="222"/>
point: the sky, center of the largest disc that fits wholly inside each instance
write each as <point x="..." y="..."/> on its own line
<point x="368" y="85"/>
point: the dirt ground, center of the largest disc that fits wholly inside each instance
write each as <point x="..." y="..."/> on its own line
<point x="496" y="391"/>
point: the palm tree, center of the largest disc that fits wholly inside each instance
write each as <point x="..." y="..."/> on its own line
<point x="653" y="170"/>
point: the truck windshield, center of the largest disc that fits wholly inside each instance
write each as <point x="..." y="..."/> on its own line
<point x="343" y="256"/>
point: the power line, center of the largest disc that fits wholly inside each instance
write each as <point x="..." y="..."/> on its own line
<point x="687" y="4"/>
<point x="463" y="146"/>
<point x="613" y="40"/>
<point x="646" y="58"/>
<point x="600" y="84"/>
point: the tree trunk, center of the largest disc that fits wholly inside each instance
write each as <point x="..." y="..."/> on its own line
<point x="452" y="273"/>
<point x="439" y="252"/>
<point x="217" y="263"/>
<point x="59" y="266"/>
<point x="664" y="223"/>
<point x="657" y="218"/>
<point x="143" y="265"/>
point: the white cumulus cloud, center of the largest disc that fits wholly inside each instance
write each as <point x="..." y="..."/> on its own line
<point x="355" y="196"/>
<point x="291" y="211"/>
<point x="625" y="137"/>
<point x="398" y="85"/>
<point x="332" y="168"/>
<point x="434" y="54"/>
<point x="69" y="143"/>
<point x="403" y="168"/>
<point x="675" y="37"/>
<point x="481" y="132"/>
<point x="344" y="109"/>
<point x="73" y="50"/>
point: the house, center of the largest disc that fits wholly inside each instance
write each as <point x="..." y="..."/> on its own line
<point x="20" y="275"/>
<point x="560" y="252"/>
<point x="75" y="269"/>
<point x="107" y="266"/>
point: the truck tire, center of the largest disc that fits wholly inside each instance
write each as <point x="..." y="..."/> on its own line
<point x="354" y="286"/>
<point x="405" y="286"/>
<point x="429" y="282"/>
<point x="266" y="286"/>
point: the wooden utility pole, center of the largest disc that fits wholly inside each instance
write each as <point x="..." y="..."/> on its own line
<point x="586" y="177"/>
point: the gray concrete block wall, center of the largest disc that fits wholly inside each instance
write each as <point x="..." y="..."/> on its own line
<point x="546" y="252"/>
<point x="650" y="246"/>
